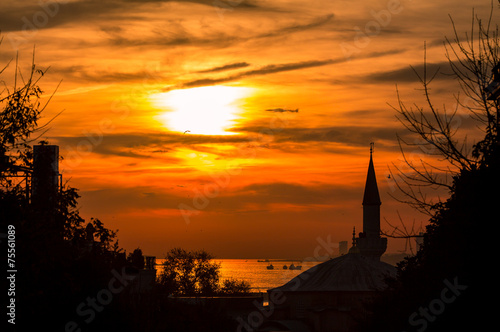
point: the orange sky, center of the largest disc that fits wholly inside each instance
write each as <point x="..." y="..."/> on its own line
<point x="176" y="125"/>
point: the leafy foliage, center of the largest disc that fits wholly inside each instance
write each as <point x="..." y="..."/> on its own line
<point x="234" y="287"/>
<point x="59" y="262"/>
<point x="195" y="273"/>
<point x="136" y="259"/>
<point x="20" y="112"/>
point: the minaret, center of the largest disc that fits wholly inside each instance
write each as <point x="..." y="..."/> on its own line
<point x="371" y="201"/>
<point x="370" y="243"/>
<point x="354" y="249"/>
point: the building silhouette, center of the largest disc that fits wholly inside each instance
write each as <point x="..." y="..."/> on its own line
<point x="45" y="177"/>
<point x="331" y="296"/>
<point x="369" y="242"/>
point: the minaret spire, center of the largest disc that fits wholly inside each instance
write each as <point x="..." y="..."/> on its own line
<point x="371" y="196"/>
<point x="354" y="236"/>
<point x="354" y="249"/>
<point x="370" y="243"/>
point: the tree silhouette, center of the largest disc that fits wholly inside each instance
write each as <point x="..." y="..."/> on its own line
<point x="136" y="259"/>
<point x="436" y="131"/>
<point x="195" y="273"/>
<point x="58" y="263"/>
<point x="439" y="288"/>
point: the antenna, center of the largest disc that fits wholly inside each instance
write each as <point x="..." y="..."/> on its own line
<point x="372" y="145"/>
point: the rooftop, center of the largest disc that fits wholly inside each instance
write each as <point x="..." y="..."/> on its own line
<point x="350" y="272"/>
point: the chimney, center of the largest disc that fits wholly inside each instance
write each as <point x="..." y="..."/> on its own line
<point x="45" y="178"/>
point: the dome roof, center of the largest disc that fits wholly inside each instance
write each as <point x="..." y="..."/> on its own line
<point x="350" y="272"/>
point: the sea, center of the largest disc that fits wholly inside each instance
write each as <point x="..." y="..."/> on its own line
<point x="260" y="278"/>
<point x="256" y="273"/>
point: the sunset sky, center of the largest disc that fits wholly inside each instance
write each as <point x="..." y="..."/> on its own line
<point x="240" y="127"/>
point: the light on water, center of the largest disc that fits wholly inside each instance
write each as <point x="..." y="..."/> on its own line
<point x="258" y="276"/>
<point x="256" y="273"/>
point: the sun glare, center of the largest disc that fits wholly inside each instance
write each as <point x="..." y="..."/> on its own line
<point x="204" y="111"/>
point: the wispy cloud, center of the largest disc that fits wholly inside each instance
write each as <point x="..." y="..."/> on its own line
<point x="348" y="135"/>
<point x="266" y="70"/>
<point x="230" y="66"/>
<point x="86" y="74"/>
<point x="282" y="110"/>
<point x="175" y="32"/>
<point x="146" y="145"/>
<point x="44" y="14"/>
<point x="439" y="71"/>
<point x="293" y="193"/>
<point x="152" y="145"/>
<point x="298" y="27"/>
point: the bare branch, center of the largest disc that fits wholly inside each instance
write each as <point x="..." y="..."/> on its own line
<point x="435" y="149"/>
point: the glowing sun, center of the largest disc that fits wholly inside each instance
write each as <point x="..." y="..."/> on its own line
<point x="208" y="110"/>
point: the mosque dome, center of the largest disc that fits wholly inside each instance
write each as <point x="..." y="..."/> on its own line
<point x="350" y="272"/>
